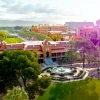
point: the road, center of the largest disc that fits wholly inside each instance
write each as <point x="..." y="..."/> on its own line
<point x="21" y="37"/>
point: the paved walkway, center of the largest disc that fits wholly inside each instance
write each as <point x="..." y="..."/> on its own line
<point x="91" y="68"/>
<point x="21" y="37"/>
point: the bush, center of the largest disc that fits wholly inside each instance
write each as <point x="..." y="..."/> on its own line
<point x="16" y="94"/>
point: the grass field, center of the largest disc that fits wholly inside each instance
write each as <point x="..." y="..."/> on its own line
<point x="14" y="40"/>
<point x="80" y="90"/>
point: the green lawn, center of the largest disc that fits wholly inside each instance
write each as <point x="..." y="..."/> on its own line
<point x="14" y="40"/>
<point x="80" y="90"/>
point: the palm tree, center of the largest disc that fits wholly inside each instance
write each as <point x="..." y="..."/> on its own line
<point x="16" y="94"/>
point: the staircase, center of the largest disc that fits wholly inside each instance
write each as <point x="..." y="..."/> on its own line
<point x="50" y="62"/>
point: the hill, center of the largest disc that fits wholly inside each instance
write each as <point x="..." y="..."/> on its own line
<point x="22" y="23"/>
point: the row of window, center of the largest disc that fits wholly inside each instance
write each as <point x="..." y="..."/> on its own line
<point x="55" y="54"/>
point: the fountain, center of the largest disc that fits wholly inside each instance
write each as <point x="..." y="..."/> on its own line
<point x="65" y="73"/>
<point x="60" y="70"/>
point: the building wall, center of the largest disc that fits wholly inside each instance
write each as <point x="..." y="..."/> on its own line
<point x="53" y="48"/>
<point x="34" y="30"/>
<point x="98" y="22"/>
<point x="45" y="28"/>
<point x="83" y="31"/>
<point x="42" y="29"/>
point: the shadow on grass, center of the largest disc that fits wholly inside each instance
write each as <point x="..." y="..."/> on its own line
<point x="80" y="90"/>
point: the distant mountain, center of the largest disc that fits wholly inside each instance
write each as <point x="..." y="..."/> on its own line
<point x="22" y="23"/>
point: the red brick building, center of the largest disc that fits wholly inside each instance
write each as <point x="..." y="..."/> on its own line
<point x="47" y="28"/>
<point x="45" y="48"/>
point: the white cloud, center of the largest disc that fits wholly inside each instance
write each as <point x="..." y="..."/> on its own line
<point x="20" y="8"/>
<point x="8" y="1"/>
<point x="35" y="12"/>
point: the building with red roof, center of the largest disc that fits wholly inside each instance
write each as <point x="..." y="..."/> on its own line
<point x="45" y="48"/>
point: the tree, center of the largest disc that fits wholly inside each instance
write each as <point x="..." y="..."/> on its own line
<point x="86" y="47"/>
<point x="8" y="29"/>
<point x="16" y="94"/>
<point x="38" y="87"/>
<point x="55" y="37"/>
<point x="3" y="35"/>
<point x="21" y="68"/>
<point x="72" y="56"/>
<point x="44" y="81"/>
<point x="93" y="37"/>
<point x="18" y="66"/>
<point x="28" y="34"/>
<point x="90" y="58"/>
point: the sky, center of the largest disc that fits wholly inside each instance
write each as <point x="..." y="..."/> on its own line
<point x="59" y="11"/>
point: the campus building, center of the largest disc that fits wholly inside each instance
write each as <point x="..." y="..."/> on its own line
<point x="45" y="28"/>
<point x="47" y="49"/>
<point x="74" y="25"/>
<point x="84" y="30"/>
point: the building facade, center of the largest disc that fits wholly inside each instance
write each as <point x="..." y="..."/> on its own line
<point x="85" y="30"/>
<point x="54" y="50"/>
<point x="45" y="28"/>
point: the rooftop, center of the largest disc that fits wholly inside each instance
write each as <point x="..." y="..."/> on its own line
<point x="32" y="42"/>
<point x="36" y="42"/>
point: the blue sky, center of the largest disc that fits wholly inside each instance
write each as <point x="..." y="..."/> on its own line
<point x="58" y="11"/>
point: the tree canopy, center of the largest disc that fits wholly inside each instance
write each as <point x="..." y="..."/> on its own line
<point x="3" y="35"/>
<point x="38" y="86"/>
<point x="18" y="64"/>
<point x="8" y="29"/>
<point x="71" y="56"/>
<point x="16" y="93"/>
<point x="21" y="68"/>
<point x="28" y="34"/>
<point x="55" y="37"/>
<point x="87" y="47"/>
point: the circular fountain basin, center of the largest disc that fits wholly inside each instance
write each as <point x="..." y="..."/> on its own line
<point x="61" y="70"/>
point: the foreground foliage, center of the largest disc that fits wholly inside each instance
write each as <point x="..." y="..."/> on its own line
<point x="18" y="64"/>
<point x="38" y="87"/>
<point x="16" y="94"/>
<point x="21" y="68"/>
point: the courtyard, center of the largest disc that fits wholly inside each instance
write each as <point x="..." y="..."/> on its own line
<point x="65" y="73"/>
